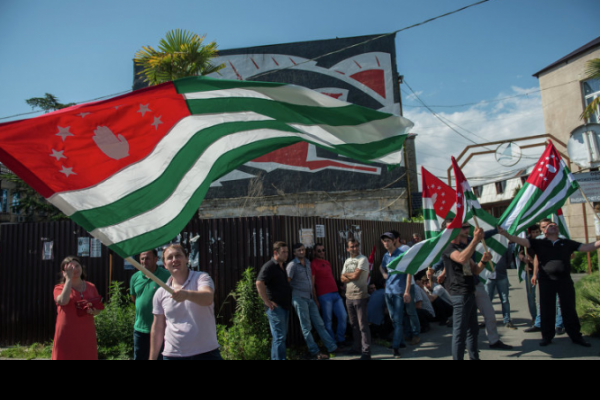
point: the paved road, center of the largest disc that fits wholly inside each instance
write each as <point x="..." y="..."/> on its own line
<point x="437" y="344"/>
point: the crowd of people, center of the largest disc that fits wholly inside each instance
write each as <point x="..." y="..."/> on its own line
<point x="400" y="308"/>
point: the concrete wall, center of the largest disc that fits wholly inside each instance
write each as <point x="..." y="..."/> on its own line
<point x="374" y="205"/>
<point x="563" y="103"/>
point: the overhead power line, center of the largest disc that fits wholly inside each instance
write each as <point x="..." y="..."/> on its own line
<point x="313" y="59"/>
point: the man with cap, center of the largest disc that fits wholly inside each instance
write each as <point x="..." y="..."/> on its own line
<point x="400" y="297"/>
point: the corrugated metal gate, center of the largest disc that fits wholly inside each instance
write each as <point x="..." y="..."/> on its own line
<point x="226" y="248"/>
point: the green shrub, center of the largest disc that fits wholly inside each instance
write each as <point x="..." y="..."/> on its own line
<point x="588" y="304"/>
<point x="579" y="264"/>
<point x="114" y="325"/>
<point x="249" y="337"/>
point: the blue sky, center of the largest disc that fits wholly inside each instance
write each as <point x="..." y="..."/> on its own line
<point x="81" y="50"/>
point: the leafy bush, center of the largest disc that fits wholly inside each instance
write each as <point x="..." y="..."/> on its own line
<point x="588" y="304"/>
<point x="114" y="325"/>
<point x="249" y="337"/>
<point x="579" y="264"/>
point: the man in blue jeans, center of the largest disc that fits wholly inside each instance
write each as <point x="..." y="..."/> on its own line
<point x="498" y="282"/>
<point x="400" y="297"/>
<point x="303" y="299"/>
<point x="328" y="295"/>
<point x="462" y="271"/>
<point x="275" y="291"/>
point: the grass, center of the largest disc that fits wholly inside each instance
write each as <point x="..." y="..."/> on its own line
<point x="36" y="351"/>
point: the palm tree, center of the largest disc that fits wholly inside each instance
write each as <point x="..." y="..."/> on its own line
<point x="593" y="72"/>
<point x="181" y="54"/>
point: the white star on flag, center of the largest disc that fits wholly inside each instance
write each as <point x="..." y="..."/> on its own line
<point x="144" y="109"/>
<point x="58" y="154"/>
<point x="157" y="122"/>
<point x="64" y="132"/>
<point x="67" y="171"/>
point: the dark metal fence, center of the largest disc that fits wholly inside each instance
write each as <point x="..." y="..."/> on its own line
<point x="226" y="247"/>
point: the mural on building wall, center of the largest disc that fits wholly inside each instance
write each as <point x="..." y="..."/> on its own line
<point x="365" y="75"/>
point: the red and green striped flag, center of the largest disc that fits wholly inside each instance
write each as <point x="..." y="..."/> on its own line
<point x="134" y="169"/>
<point x="439" y="201"/>
<point x="546" y="191"/>
<point x="426" y="253"/>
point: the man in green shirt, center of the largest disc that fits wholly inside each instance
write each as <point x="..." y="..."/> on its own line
<point x="142" y="292"/>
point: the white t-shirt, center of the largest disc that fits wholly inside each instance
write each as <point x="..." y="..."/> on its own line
<point x="357" y="290"/>
<point x="191" y="328"/>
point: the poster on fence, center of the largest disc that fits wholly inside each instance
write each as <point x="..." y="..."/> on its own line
<point x="48" y="253"/>
<point x="96" y="249"/>
<point x="307" y="238"/>
<point x="83" y="247"/>
<point x="320" y="231"/>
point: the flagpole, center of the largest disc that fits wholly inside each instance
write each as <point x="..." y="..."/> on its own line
<point x="483" y="242"/>
<point x="528" y="286"/>
<point x="149" y="274"/>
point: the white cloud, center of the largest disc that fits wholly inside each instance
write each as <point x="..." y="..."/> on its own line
<point x="513" y="115"/>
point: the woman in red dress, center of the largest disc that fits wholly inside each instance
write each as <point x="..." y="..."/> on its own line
<point x="78" y="302"/>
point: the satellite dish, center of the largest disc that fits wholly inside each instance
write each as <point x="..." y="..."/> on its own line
<point x="583" y="146"/>
<point x="509" y="154"/>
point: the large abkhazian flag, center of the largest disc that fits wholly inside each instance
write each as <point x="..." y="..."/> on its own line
<point x="438" y="206"/>
<point x="426" y="253"/>
<point x="133" y="170"/>
<point x="546" y="190"/>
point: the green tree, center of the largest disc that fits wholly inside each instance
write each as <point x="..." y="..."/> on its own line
<point x="180" y="54"/>
<point x="47" y="103"/>
<point x="32" y="206"/>
<point x="593" y="72"/>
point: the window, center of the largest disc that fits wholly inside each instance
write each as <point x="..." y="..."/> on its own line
<point x="3" y="201"/>
<point x="591" y="91"/>
<point x="16" y="202"/>
<point x="500" y="187"/>
<point x="477" y="190"/>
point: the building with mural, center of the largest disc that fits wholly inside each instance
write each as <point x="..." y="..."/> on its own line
<point x="303" y="180"/>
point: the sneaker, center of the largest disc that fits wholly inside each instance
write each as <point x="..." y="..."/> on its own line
<point x="510" y="326"/>
<point x="500" y="346"/>
<point x="560" y="331"/>
<point x="416" y="340"/>
<point x="397" y="354"/>
<point x="533" y="329"/>
<point x="320" y="357"/>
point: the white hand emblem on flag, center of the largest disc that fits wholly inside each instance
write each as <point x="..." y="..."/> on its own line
<point x="114" y="147"/>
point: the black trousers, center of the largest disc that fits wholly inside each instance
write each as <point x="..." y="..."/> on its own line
<point x="565" y="289"/>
